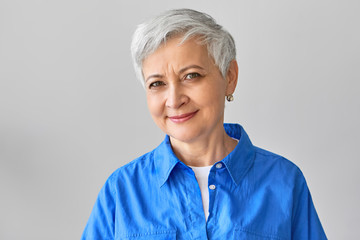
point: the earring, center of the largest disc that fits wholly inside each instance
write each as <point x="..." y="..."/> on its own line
<point x="230" y="98"/>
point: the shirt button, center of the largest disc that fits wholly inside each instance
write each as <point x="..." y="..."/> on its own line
<point x="219" y="165"/>
<point x="212" y="187"/>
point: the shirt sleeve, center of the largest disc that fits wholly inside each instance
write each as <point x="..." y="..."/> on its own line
<point x="100" y="225"/>
<point x="305" y="221"/>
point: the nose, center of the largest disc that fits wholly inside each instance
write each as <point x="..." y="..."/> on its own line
<point x="176" y="97"/>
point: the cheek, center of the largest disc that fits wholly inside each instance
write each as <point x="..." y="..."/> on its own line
<point x="154" y="106"/>
<point x="213" y="95"/>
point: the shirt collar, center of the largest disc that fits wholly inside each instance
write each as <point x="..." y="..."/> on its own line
<point x="238" y="162"/>
<point x="165" y="160"/>
<point x="241" y="159"/>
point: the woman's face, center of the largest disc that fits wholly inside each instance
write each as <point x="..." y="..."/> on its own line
<point x="185" y="90"/>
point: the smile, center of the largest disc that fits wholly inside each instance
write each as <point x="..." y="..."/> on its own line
<point x="183" y="117"/>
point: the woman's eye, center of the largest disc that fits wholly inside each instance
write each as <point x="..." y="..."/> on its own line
<point x="192" y="75"/>
<point x="156" y="84"/>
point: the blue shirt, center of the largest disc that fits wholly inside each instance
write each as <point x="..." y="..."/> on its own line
<point x="253" y="194"/>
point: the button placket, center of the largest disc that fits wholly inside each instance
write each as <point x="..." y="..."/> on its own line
<point x="212" y="186"/>
<point x="195" y="221"/>
<point x="217" y="166"/>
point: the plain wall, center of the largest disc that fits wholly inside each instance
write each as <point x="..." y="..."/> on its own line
<point x="72" y="111"/>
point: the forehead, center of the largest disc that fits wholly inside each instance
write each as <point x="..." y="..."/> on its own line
<point x="176" y="54"/>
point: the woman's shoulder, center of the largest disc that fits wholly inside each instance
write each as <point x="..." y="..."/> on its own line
<point x="137" y="167"/>
<point x="273" y="163"/>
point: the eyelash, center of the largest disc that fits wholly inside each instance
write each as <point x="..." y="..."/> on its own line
<point x="160" y="83"/>
<point x="156" y="84"/>
<point x="192" y="74"/>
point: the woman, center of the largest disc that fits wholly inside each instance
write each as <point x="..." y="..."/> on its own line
<point x="205" y="180"/>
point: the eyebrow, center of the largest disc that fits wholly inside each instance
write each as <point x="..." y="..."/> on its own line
<point x="180" y="72"/>
<point x="191" y="66"/>
<point x="153" y="76"/>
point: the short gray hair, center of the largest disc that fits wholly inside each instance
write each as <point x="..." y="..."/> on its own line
<point x="150" y="35"/>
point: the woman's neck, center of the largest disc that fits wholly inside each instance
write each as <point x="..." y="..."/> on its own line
<point x="204" y="151"/>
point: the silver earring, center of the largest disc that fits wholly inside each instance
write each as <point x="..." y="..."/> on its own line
<point x="230" y="98"/>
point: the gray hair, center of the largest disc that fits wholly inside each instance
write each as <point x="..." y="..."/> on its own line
<point x="150" y="35"/>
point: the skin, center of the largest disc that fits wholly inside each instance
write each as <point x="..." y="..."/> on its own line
<point x="183" y="79"/>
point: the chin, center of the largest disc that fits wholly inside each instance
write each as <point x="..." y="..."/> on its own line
<point x="187" y="135"/>
<point x="184" y="132"/>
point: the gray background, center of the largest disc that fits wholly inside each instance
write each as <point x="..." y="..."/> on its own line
<point x="72" y="111"/>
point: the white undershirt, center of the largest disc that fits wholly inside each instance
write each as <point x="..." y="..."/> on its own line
<point x="202" y="175"/>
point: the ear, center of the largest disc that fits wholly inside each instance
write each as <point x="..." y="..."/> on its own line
<point x="232" y="77"/>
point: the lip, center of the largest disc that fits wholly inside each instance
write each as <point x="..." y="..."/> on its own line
<point x="183" y="117"/>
